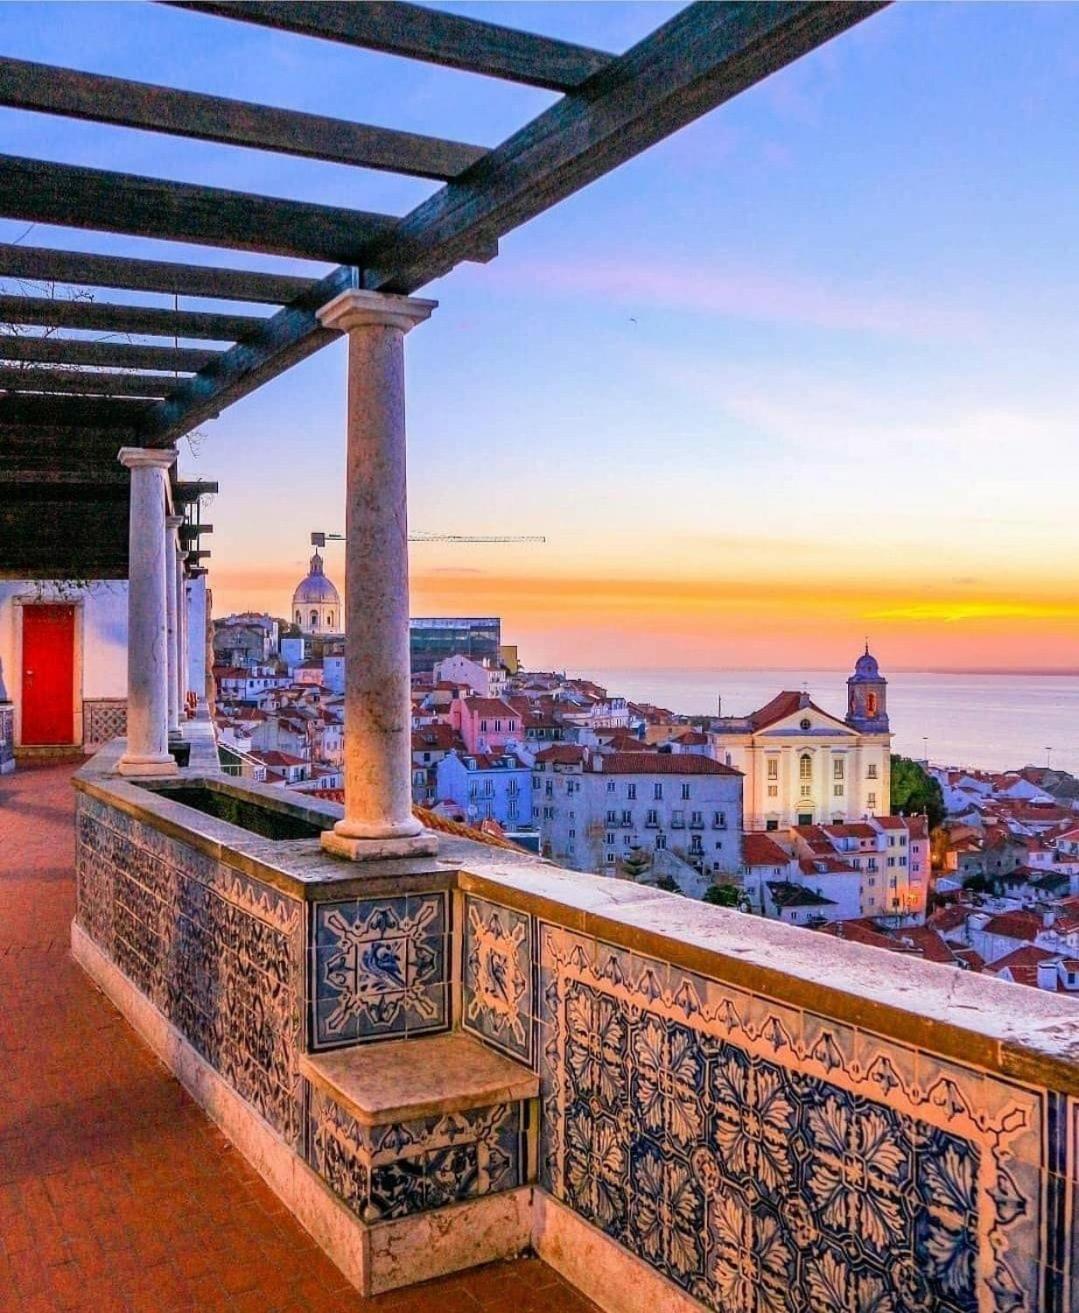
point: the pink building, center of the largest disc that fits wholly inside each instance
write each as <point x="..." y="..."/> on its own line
<point x="486" y="724"/>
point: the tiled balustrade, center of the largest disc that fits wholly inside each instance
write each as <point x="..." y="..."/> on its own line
<point x="733" y="1114"/>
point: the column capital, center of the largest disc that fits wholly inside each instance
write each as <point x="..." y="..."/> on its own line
<point x="173" y="522"/>
<point x="357" y="308"/>
<point x="137" y="458"/>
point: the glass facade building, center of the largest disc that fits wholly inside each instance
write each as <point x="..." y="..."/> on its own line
<point x="432" y="640"/>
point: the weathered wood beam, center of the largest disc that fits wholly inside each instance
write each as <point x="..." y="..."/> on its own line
<point x="425" y="34"/>
<point x="702" y="57"/>
<point x="279" y="342"/>
<point x="192" y="489"/>
<point x="75" y="412"/>
<point x="86" y="382"/>
<point x="122" y="355"/>
<point x="75" y="197"/>
<point x="190" y="532"/>
<point x="51" y="90"/>
<point x="81" y="269"/>
<point x="51" y="312"/>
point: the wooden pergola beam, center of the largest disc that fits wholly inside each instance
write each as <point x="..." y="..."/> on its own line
<point x="280" y="341"/>
<point x="122" y="355"/>
<point x="425" y="34"/>
<point x="86" y="382"/>
<point x="64" y="91"/>
<point x="75" y="197"/>
<point x="192" y="489"/>
<point x="702" y="57"/>
<point x="121" y="272"/>
<point x="50" y="312"/>
<point x="119" y="417"/>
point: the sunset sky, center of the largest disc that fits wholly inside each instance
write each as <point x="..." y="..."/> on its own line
<point x="804" y="372"/>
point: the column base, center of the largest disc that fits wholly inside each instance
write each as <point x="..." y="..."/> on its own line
<point x="424" y="844"/>
<point x="137" y="766"/>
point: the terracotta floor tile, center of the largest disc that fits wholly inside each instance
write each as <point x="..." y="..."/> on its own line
<point x="116" y="1193"/>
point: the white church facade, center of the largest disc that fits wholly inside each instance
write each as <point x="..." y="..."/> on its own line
<point x="805" y="766"/>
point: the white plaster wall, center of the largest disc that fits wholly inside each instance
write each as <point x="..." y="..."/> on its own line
<point x="100" y="638"/>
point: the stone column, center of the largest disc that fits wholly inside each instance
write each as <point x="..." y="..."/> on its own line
<point x="181" y="633"/>
<point x="147" y="750"/>
<point x="172" y="607"/>
<point x="378" y="819"/>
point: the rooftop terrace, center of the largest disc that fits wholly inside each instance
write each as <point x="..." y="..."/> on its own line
<point x="116" y="1190"/>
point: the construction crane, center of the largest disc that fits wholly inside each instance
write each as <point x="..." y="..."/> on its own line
<point x="420" y="536"/>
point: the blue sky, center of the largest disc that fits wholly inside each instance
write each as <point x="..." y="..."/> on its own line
<point x="804" y="369"/>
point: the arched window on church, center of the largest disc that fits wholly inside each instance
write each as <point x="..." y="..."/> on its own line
<point x="805" y="767"/>
<point x="314" y="619"/>
<point x="329" y="621"/>
<point x="299" y="617"/>
<point x="871" y="704"/>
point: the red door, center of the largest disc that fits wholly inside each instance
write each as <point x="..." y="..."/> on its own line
<point x="48" y="674"/>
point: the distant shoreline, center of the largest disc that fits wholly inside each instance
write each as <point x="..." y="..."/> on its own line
<point x="1048" y="672"/>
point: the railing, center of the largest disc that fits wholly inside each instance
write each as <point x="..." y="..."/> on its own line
<point x="763" y="1117"/>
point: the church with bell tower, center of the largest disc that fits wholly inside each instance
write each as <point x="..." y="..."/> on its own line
<point x="805" y="766"/>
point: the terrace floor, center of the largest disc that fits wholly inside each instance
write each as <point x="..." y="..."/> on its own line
<point x="116" y="1192"/>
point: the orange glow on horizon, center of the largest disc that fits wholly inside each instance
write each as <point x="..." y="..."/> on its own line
<point x="572" y="620"/>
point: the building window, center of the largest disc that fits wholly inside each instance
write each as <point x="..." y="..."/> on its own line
<point x="548" y="813"/>
<point x="771" y="825"/>
<point x="805" y="767"/>
<point x="773" y="790"/>
<point x="627" y="817"/>
<point x="871" y="800"/>
<point x="609" y="857"/>
<point x="631" y="791"/>
<point x="773" y="768"/>
<point x="610" y="786"/>
<point x="871" y="772"/>
<point x="837" y="790"/>
<point x="612" y="817"/>
<point x="661" y="841"/>
<point x="807" y="790"/>
<point x="653" y="817"/>
<point x="719" y="820"/>
<point x="657" y="791"/>
<point x="573" y="834"/>
<point x="685" y="792"/>
<point x="837" y="768"/>
<point x="610" y="840"/>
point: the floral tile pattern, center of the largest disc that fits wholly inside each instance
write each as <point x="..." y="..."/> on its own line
<point x="497" y="977"/>
<point x="410" y="1167"/>
<point x="379" y="969"/>
<point x="754" y="1163"/>
<point x="219" y="954"/>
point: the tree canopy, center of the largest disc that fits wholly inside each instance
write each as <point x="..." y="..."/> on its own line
<point x="914" y="791"/>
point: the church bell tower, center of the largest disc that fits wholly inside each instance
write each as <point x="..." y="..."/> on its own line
<point x="867" y="696"/>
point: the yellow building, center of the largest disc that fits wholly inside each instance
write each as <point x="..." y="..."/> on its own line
<point x="804" y="766"/>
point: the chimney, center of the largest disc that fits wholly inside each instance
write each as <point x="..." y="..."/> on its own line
<point x="1047" y="974"/>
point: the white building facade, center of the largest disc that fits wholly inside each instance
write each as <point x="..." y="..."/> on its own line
<point x="594" y="809"/>
<point x="804" y="766"/>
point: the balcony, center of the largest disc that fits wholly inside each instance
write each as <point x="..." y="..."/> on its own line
<point x="898" y="1058"/>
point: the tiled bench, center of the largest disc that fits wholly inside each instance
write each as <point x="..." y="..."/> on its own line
<point x="405" y="1126"/>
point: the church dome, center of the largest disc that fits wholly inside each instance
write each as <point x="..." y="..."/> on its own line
<point x="316" y="589"/>
<point x="866" y="667"/>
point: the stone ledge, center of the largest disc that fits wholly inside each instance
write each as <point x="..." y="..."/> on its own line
<point x="402" y="1080"/>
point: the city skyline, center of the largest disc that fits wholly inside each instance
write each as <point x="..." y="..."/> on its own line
<point x="755" y="402"/>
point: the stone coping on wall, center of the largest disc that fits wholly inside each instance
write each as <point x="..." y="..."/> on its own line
<point x="1009" y="1029"/>
<point x="401" y="1079"/>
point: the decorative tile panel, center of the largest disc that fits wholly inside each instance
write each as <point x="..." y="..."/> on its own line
<point x="103" y="719"/>
<point x="219" y="954"/>
<point x="497" y="977"/>
<point x="379" y="968"/>
<point x="398" y="1169"/>
<point x="767" y="1161"/>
